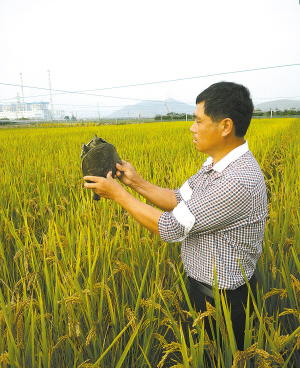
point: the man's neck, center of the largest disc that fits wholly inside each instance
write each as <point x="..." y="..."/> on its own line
<point x="228" y="147"/>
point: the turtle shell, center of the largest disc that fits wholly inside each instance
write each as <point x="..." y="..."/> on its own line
<point x="98" y="158"/>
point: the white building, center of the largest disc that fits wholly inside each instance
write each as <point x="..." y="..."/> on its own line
<point x="32" y="110"/>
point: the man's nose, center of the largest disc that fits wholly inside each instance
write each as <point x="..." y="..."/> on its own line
<point x="192" y="128"/>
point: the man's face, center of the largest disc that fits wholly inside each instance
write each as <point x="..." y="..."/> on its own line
<point x="205" y="132"/>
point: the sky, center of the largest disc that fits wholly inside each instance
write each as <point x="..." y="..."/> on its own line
<point x="103" y="46"/>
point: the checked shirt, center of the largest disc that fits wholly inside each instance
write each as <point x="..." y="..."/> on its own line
<point x="220" y="219"/>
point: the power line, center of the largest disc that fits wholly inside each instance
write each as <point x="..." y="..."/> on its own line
<point x="142" y="84"/>
<point x="130" y="107"/>
<point x="151" y="83"/>
<point x="66" y="92"/>
<point x="187" y="78"/>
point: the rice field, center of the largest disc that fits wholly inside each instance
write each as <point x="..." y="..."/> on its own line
<point x="82" y="284"/>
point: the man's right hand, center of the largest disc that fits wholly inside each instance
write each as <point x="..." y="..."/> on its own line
<point x="164" y="199"/>
<point x="126" y="173"/>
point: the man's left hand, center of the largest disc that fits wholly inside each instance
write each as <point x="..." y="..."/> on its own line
<point x="107" y="188"/>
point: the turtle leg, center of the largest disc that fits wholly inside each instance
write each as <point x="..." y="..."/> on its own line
<point x="96" y="197"/>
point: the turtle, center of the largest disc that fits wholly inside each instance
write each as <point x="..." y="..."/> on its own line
<point x="98" y="157"/>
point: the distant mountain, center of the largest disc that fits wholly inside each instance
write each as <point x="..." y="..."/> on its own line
<point x="278" y="104"/>
<point x="148" y="109"/>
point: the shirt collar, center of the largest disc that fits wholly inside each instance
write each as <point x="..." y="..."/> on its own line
<point x="228" y="159"/>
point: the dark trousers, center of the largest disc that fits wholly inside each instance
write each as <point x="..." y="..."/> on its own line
<point x="237" y="302"/>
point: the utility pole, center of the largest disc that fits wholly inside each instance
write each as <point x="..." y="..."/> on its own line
<point x="167" y="108"/>
<point x="22" y="94"/>
<point x="98" y="111"/>
<point x="17" y="105"/>
<point x="50" y="96"/>
<point x="169" y="111"/>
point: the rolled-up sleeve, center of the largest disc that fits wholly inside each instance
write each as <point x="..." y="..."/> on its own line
<point x="221" y="205"/>
<point x="174" y="226"/>
<point x="184" y="193"/>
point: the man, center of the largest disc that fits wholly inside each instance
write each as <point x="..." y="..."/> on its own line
<point x="218" y="214"/>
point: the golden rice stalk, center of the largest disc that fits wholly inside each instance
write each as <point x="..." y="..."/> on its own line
<point x="161" y="339"/>
<point x="4" y="359"/>
<point x="20" y="326"/>
<point x="64" y="200"/>
<point x="169" y="295"/>
<point x="86" y="364"/>
<point x="278" y="359"/>
<point x="210" y="345"/>
<point x="60" y="208"/>
<point x="241" y="357"/>
<point x="2" y="228"/>
<point x="71" y="327"/>
<point x="60" y="341"/>
<point x="77" y="329"/>
<point x="149" y="303"/>
<point x="180" y="295"/>
<point x="67" y="278"/>
<point x="92" y="333"/>
<point x="199" y="318"/>
<point x="2" y="320"/>
<point x="74" y="299"/>
<point x="145" y="324"/>
<point x="32" y="279"/>
<point x="23" y="230"/>
<point x="30" y="219"/>
<point x="281" y="340"/>
<point x="26" y="266"/>
<point x="296" y="284"/>
<point x="282" y="292"/>
<point x="8" y="238"/>
<point x="264" y="360"/>
<point x="297" y="338"/>
<point x="170" y="348"/>
<point x="295" y="312"/>
<point x="171" y="264"/>
<point x="17" y="255"/>
<point x="273" y="267"/>
<point x="131" y="317"/>
<point x="166" y="321"/>
<point x="211" y="312"/>
<point x="122" y="267"/>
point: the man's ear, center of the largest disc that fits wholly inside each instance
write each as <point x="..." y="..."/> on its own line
<point x="226" y="127"/>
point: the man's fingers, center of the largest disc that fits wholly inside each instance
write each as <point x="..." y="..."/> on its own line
<point x="121" y="167"/>
<point x="109" y="175"/>
<point x="90" y="185"/>
<point x="95" y="179"/>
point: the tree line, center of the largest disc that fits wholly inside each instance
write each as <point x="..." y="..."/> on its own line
<point x="277" y="112"/>
<point x="174" y="116"/>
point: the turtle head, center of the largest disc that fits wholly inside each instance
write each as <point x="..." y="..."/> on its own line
<point x="84" y="150"/>
<point x="96" y="141"/>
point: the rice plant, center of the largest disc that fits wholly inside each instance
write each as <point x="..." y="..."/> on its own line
<point x="82" y="284"/>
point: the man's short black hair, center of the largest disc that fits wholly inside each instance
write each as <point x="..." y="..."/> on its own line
<point x="228" y="100"/>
